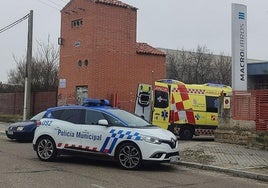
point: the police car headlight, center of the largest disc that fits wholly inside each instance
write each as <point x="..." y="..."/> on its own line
<point x="20" y="128"/>
<point x="151" y="139"/>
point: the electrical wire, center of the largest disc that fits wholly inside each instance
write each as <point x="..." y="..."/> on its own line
<point x="49" y="5"/>
<point x="25" y="17"/>
<point x="55" y="5"/>
<point x="58" y="5"/>
<point x="64" y="1"/>
<point x="14" y="23"/>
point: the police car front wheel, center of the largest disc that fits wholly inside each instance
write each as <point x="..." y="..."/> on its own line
<point x="129" y="156"/>
<point x="46" y="149"/>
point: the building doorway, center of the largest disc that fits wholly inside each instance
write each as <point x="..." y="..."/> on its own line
<point x="81" y="94"/>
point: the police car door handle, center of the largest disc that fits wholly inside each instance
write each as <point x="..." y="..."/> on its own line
<point x="157" y="114"/>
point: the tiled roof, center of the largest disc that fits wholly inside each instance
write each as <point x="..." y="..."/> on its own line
<point x="144" y="48"/>
<point x="108" y="2"/>
<point x="115" y="3"/>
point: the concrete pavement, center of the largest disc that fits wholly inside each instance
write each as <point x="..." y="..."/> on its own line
<point x="228" y="158"/>
<point x="3" y="127"/>
<point x="207" y="154"/>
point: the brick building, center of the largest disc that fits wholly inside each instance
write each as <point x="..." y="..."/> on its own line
<point x="99" y="55"/>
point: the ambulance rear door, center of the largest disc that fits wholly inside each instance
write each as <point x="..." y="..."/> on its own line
<point x="198" y="103"/>
<point x="161" y="108"/>
<point x="212" y="104"/>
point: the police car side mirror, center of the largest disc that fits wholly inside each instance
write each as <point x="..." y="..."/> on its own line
<point x="103" y="122"/>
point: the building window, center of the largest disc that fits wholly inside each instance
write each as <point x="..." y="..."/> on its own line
<point x="79" y="63"/>
<point x="77" y="23"/>
<point x="86" y="62"/>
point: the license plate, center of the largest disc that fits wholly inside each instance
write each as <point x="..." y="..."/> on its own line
<point x="10" y="132"/>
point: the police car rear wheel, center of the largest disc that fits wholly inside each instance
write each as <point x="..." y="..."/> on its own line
<point x="129" y="156"/>
<point x="46" y="149"/>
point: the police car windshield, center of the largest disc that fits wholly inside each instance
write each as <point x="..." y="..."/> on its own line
<point x="128" y="118"/>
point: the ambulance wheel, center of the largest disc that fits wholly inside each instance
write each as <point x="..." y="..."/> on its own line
<point x="129" y="156"/>
<point x="174" y="129"/>
<point x="186" y="133"/>
<point x="46" y="149"/>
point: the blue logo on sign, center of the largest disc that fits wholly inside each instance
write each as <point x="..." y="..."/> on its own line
<point x="241" y="15"/>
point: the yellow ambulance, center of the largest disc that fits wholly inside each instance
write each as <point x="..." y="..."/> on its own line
<point x="187" y="109"/>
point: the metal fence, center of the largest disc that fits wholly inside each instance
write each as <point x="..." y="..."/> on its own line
<point x="251" y="105"/>
<point x="127" y="105"/>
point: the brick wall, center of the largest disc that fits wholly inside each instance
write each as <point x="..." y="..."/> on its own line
<point x="12" y="103"/>
<point x="107" y="39"/>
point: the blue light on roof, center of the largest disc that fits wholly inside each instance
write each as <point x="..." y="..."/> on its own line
<point x="96" y="102"/>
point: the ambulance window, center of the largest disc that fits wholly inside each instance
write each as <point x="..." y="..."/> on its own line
<point x="212" y="104"/>
<point x="161" y="99"/>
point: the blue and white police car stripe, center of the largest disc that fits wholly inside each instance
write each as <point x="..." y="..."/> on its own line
<point x="110" y="142"/>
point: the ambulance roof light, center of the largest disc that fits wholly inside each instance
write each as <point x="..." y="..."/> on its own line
<point x="216" y="85"/>
<point x="170" y="81"/>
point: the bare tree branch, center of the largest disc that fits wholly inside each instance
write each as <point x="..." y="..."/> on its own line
<point x="44" y="69"/>
<point x="198" y="66"/>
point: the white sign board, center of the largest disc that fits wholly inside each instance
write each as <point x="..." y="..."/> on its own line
<point x="62" y="83"/>
<point x="239" y="47"/>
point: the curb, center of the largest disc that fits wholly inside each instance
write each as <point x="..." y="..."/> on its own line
<point x="3" y="127"/>
<point x="2" y="133"/>
<point x="233" y="172"/>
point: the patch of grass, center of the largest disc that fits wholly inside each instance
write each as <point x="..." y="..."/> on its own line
<point x="261" y="170"/>
<point x="262" y="138"/>
<point x="198" y="156"/>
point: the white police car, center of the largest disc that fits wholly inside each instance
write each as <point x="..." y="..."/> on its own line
<point x="96" y="128"/>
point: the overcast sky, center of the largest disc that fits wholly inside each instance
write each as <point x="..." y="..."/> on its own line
<point x="174" y="24"/>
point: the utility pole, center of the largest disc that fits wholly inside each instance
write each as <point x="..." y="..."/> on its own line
<point x="27" y="88"/>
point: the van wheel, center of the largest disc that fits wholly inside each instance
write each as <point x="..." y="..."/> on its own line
<point x="129" y="156"/>
<point x="186" y="133"/>
<point x="46" y="149"/>
<point x="174" y="129"/>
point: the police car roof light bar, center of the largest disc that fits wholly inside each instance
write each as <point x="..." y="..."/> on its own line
<point x="96" y="102"/>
